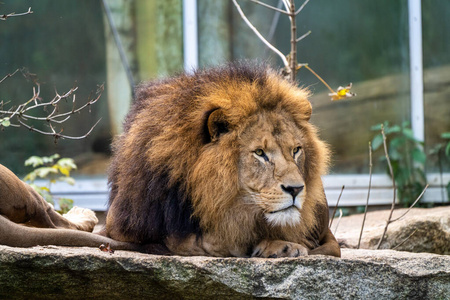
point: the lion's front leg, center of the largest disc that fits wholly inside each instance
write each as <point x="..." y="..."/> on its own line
<point x="278" y="248"/>
<point x="204" y="245"/>
<point x="329" y="246"/>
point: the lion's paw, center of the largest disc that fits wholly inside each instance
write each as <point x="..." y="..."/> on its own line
<point x="277" y="248"/>
<point x="83" y="218"/>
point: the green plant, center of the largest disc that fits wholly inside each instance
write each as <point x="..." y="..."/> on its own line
<point x="46" y="168"/>
<point x="442" y="151"/>
<point x="407" y="158"/>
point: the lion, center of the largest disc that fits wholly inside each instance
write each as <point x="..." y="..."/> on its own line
<point x="223" y="162"/>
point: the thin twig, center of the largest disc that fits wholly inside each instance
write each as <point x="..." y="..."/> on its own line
<point x="318" y="77"/>
<point x="401" y="243"/>
<point x="336" y="206"/>
<point x="9" y="75"/>
<point x="391" y="172"/>
<point x="301" y="7"/>
<point x="293" y="53"/>
<point x="4" y="17"/>
<point x="303" y="36"/>
<point x="21" y="113"/>
<point x="58" y="135"/>
<point x="412" y="205"/>
<point x="368" y="194"/>
<point x="271" y="7"/>
<point x="339" y="221"/>
<point x="271" y="47"/>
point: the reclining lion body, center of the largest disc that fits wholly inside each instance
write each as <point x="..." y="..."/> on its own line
<point x="185" y="172"/>
<point x="222" y="163"/>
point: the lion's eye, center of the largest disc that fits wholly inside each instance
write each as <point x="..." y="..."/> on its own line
<point x="296" y="150"/>
<point x="261" y="153"/>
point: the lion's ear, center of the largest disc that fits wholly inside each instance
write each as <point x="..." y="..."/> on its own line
<point x="308" y="111"/>
<point x="217" y="124"/>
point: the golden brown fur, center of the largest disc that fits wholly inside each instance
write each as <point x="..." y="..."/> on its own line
<point x="187" y="173"/>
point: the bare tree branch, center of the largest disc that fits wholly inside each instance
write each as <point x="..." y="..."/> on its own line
<point x="6" y="16"/>
<point x="291" y="66"/>
<point x="338" y="221"/>
<point x="412" y="205"/>
<point x="303" y="36"/>
<point x="271" y="47"/>
<point x="301" y="7"/>
<point x="368" y="194"/>
<point x="335" y="208"/>
<point x="271" y="7"/>
<point x="286" y="4"/>
<point x="23" y="112"/>
<point x="9" y="75"/>
<point x="402" y="242"/>
<point x="317" y="75"/>
<point x="389" y="220"/>
<point x="293" y="53"/>
<point x="391" y="172"/>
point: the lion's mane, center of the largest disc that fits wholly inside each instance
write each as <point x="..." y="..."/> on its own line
<point x="170" y="176"/>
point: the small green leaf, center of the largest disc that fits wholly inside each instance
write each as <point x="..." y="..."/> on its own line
<point x="45" y="171"/>
<point x="409" y="134"/>
<point x="419" y="156"/>
<point x="445" y="135"/>
<point x="394" y="154"/>
<point x="376" y="127"/>
<point x="393" y="129"/>
<point x="447" y="150"/>
<point x="34" y="161"/>
<point x="67" y="163"/>
<point x="5" y="122"/>
<point x="377" y="141"/>
<point x="50" y="159"/>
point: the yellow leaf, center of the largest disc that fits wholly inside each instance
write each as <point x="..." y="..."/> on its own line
<point x="44" y="188"/>
<point x="342" y="93"/>
<point x="64" y="171"/>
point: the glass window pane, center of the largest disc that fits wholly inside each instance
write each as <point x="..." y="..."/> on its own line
<point x="63" y="43"/>
<point x="436" y="60"/>
<point x="363" y="42"/>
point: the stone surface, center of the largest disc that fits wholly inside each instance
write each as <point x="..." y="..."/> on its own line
<point x="421" y="230"/>
<point x="75" y="273"/>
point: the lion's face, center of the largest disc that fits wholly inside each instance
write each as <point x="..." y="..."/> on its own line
<point x="271" y="168"/>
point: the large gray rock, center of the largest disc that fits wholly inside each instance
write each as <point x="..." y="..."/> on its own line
<point x="76" y="273"/>
<point x="420" y="230"/>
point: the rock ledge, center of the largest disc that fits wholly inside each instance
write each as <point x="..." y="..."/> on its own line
<point x="74" y="273"/>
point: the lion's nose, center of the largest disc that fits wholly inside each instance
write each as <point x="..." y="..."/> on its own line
<point x="292" y="190"/>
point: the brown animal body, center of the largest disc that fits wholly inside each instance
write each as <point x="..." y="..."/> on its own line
<point x="223" y="162"/>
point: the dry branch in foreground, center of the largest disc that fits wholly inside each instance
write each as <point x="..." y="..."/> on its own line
<point x="21" y="115"/>
<point x="6" y="16"/>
